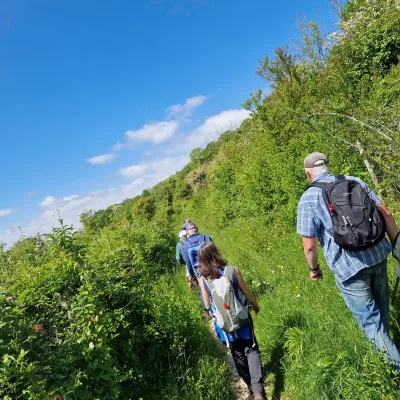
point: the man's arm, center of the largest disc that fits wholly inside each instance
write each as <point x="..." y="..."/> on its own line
<point x="307" y="227"/>
<point x="310" y="246"/>
<point x="391" y="226"/>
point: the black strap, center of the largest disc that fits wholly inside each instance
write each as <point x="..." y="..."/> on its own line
<point x="320" y="185"/>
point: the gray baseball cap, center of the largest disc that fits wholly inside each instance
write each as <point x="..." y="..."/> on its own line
<point x="315" y="160"/>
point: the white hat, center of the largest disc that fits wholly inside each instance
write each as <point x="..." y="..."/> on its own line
<point x="182" y="234"/>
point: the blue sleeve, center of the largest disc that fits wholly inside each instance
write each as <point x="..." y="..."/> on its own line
<point x="306" y="223"/>
<point x="178" y="254"/>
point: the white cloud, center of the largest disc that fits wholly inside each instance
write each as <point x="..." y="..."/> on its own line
<point x="212" y="129"/>
<point x="5" y="213"/>
<point x="118" y="146"/>
<point x="101" y="160"/>
<point x="133" y="171"/>
<point x="183" y="111"/>
<point x="154" y="167"/>
<point x="69" y="198"/>
<point x="156" y="132"/>
<point x="48" y="201"/>
<point x="71" y="207"/>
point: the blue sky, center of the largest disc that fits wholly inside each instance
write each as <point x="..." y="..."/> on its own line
<point x="100" y="99"/>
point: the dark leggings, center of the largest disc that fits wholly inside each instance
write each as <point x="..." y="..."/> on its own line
<point x="247" y="358"/>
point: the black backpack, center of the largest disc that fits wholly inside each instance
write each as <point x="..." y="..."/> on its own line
<point x="357" y="222"/>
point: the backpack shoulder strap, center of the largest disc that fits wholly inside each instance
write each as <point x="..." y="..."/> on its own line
<point x="228" y="272"/>
<point x="320" y="185"/>
<point x="340" y="178"/>
<point x="209" y="284"/>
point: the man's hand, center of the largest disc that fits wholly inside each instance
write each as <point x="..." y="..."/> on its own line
<point x="315" y="275"/>
<point x="255" y="307"/>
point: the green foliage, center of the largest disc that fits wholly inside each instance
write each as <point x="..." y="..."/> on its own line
<point x="144" y="208"/>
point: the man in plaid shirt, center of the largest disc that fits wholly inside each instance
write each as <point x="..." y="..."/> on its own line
<point x="361" y="276"/>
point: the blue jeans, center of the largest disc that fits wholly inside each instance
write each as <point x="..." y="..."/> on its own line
<point x="367" y="297"/>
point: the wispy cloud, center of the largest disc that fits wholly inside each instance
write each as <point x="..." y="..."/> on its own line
<point x="211" y="129"/>
<point x="159" y="132"/>
<point x="48" y="201"/>
<point x="102" y="159"/>
<point x="154" y="167"/>
<point x="133" y="171"/>
<point x="156" y="132"/>
<point x="5" y="213"/>
<point x="73" y="197"/>
<point x="183" y="111"/>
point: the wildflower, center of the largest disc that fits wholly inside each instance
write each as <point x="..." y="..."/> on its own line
<point x="39" y="328"/>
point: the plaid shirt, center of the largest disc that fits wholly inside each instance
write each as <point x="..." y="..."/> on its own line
<point x="313" y="220"/>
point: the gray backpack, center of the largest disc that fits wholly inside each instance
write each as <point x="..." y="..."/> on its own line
<point x="228" y="312"/>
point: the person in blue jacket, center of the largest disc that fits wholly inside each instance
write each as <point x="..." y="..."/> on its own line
<point x="190" y="250"/>
<point x="179" y="249"/>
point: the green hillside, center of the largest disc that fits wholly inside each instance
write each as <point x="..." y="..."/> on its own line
<point x="104" y="313"/>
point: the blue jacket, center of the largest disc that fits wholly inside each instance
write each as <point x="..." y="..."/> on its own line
<point x="191" y="269"/>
